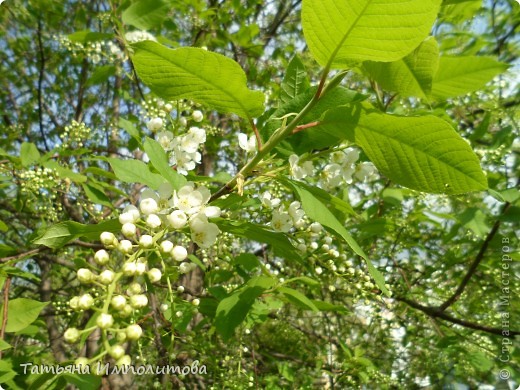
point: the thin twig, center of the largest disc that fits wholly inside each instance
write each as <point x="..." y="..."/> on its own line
<point x="7" y="285"/>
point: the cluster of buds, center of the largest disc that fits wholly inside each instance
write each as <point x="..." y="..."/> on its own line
<point x="152" y="242"/>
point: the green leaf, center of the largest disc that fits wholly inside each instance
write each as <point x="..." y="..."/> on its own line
<point x="327" y="306"/>
<point x="65" y="172"/>
<point x="278" y="241"/>
<point x="197" y="74"/>
<point x="135" y="171"/>
<point x="96" y="196"/>
<point x="460" y="75"/>
<point x="247" y="260"/>
<point x="159" y="160"/>
<point x="62" y="233"/>
<point x="296" y="80"/>
<point x="297" y="298"/>
<point x="87" y="36"/>
<point x="423" y="153"/>
<point x="233" y="309"/>
<point x="130" y="129"/>
<point x="341" y="31"/>
<point x="6" y="250"/>
<point x="475" y="220"/>
<point x="314" y="137"/>
<point x="4" y="345"/>
<point x="29" y="154"/>
<point x="21" y="312"/>
<point x="83" y="381"/>
<point x="318" y="212"/>
<point x="101" y="74"/>
<point x="410" y="76"/>
<point x="145" y="14"/>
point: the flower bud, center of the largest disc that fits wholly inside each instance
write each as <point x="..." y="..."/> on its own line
<point x="177" y="219"/>
<point x="121" y="336"/>
<point x="154" y="275"/>
<point x="108" y="239"/>
<point x="105" y="321"/>
<point x="155" y="124"/>
<point x="153" y="221"/>
<point x="129" y="268"/>
<point x="135" y="288"/>
<point x="179" y="314"/>
<point x="183" y="121"/>
<point x="148" y="206"/>
<point x="179" y="253"/>
<point x="85" y="276"/>
<point x="197" y="116"/>
<point x="133" y="211"/>
<point x="140" y="268"/>
<point x="146" y="241"/>
<point x="164" y="307"/>
<point x="106" y="277"/>
<point x="133" y="332"/>
<point x="117" y="351"/>
<point x="125" y="246"/>
<point x="101" y="257"/>
<point x="195" y="302"/>
<point x="128" y="229"/>
<point x="118" y="302"/>
<point x="315" y="227"/>
<point x="126" y="311"/>
<point x="166" y="246"/>
<point x="85" y="301"/>
<point x="180" y="289"/>
<point x="184" y="268"/>
<point x="74" y="303"/>
<point x="138" y="301"/>
<point x="126" y="218"/>
<point x="126" y="360"/>
<point x="71" y="335"/>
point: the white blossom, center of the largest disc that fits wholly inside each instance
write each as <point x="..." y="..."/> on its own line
<point x="247" y="144"/>
<point x="281" y="221"/>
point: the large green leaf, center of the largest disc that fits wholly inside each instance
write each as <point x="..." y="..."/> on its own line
<point x="340" y="31"/>
<point x="21" y="312"/>
<point x="295" y="81"/>
<point x="145" y="14"/>
<point x="62" y="233"/>
<point x="460" y="75"/>
<point x="233" y="309"/>
<point x="318" y="212"/>
<point x="410" y="76"/>
<point x="423" y="153"/>
<point x="159" y="160"/>
<point x="297" y="298"/>
<point x="135" y="171"/>
<point x="196" y="74"/>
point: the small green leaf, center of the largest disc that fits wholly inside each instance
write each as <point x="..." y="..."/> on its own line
<point x="411" y="75"/>
<point x="159" y="160"/>
<point x="87" y="36"/>
<point x="296" y="80"/>
<point x="95" y="195"/>
<point x="62" y="233"/>
<point x="339" y="31"/>
<point x="460" y="75"/>
<point x="29" y="154"/>
<point x="247" y="260"/>
<point x="83" y="381"/>
<point x="145" y="14"/>
<point x="297" y="298"/>
<point x="327" y="306"/>
<point x="278" y="241"/>
<point x="233" y="309"/>
<point x="135" y="171"/>
<point x="21" y="312"/>
<point x="4" y="345"/>
<point x="101" y="74"/>
<point x="475" y="220"/>
<point x="197" y="74"/>
<point x="130" y="129"/>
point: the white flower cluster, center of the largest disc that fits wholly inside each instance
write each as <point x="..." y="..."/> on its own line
<point x="93" y="50"/>
<point x="138" y="36"/>
<point x="342" y="167"/>
<point x="283" y="220"/>
<point x="183" y="149"/>
<point x="74" y="135"/>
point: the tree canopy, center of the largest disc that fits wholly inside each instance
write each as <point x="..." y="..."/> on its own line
<point x="282" y="194"/>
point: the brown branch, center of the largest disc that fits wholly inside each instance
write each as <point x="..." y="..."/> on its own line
<point x="22" y="255"/>
<point x="7" y="285"/>
<point x="40" y="83"/>
<point x="473" y="267"/>
<point x="434" y="312"/>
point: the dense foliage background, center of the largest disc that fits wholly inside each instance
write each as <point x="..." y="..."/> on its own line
<point x="277" y="300"/>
